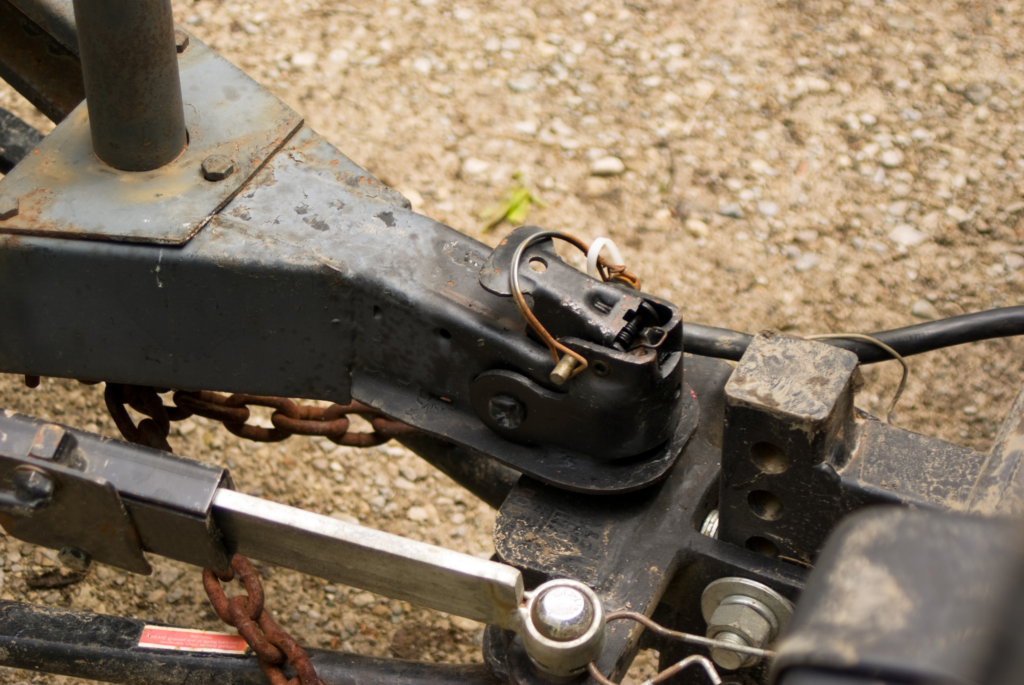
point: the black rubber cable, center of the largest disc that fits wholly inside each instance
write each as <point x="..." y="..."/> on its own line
<point x="1005" y="322"/>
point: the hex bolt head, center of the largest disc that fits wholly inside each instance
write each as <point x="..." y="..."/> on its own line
<point x="742" y="612"/>
<point x="180" y="40"/>
<point x="562" y="613"/>
<point x="74" y="559"/>
<point x="507" y="411"/>
<point x="32" y="485"/>
<point x="9" y="207"/>
<point x="217" y="167"/>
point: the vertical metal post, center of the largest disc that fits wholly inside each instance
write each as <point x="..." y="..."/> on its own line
<point x="132" y="88"/>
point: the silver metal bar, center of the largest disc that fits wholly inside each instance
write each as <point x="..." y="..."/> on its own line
<point x="369" y="559"/>
<point x="132" y="89"/>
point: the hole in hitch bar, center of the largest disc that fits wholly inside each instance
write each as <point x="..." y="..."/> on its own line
<point x="769" y="458"/>
<point x="765" y="505"/>
<point x="538" y="265"/>
<point x="762" y="546"/>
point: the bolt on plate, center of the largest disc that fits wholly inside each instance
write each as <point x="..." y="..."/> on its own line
<point x="180" y="40"/>
<point x="9" y="206"/>
<point x="217" y="167"/>
<point x="65" y="191"/>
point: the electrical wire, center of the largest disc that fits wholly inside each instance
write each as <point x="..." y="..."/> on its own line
<point x="517" y="294"/>
<point x="594" y="252"/>
<point x="690" y="638"/>
<point x="672" y="670"/>
<point x="896" y="355"/>
<point x="609" y="272"/>
<point x="710" y="341"/>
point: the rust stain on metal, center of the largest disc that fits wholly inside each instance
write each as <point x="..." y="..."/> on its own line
<point x="169" y="205"/>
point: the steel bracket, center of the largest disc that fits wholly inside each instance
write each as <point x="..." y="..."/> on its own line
<point x="79" y="507"/>
<point x="65" y="191"/>
<point x="61" y="487"/>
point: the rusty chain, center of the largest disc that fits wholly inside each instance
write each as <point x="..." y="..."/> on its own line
<point x="245" y="613"/>
<point x="254" y="623"/>
<point x="233" y="412"/>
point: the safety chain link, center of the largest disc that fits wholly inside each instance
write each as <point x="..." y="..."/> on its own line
<point x="288" y="418"/>
<point x="245" y="613"/>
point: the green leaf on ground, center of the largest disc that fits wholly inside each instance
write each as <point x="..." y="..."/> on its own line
<point x="515" y="204"/>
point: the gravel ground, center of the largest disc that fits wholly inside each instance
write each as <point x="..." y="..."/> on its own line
<point x="808" y="165"/>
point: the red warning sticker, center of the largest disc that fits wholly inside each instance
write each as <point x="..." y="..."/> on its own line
<point x="184" y="640"/>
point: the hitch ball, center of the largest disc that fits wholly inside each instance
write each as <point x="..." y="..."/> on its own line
<point x="562" y="627"/>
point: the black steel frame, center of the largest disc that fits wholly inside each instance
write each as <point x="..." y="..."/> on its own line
<point x="316" y="281"/>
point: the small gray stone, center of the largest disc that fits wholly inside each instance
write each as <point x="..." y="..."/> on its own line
<point x="767" y="208"/>
<point x="607" y="166"/>
<point x="474" y="166"/>
<point x="907" y="236"/>
<point x="1013" y="261"/>
<point x="900" y="22"/>
<point x="891" y="158"/>
<point x="958" y="214"/>
<point x="923" y="309"/>
<point x="898" y="208"/>
<point x="363" y="599"/>
<point x="168" y="576"/>
<point x="697" y="227"/>
<point x="977" y="93"/>
<point x="807" y="236"/>
<point x="422" y="65"/>
<point x="524" y="83"/>
<point x="417" y="514"/>
<point x="732" y="211"/>
<point x="806" y="262"/>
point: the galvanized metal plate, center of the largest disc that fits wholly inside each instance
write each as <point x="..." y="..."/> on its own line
<point x="65" y="191"/>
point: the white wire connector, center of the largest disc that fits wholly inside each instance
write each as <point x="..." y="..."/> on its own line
<point x="595" y="251"/>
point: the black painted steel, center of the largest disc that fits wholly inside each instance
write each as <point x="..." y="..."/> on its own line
<point x="315" y="282"/>
<point x="639" y="551"/>
<point x="165" y="499"/>
<point x="797" y="457"/>
<point x="38" y="66"/>
<point x="484" y="476"/>
<point x="906" y="596"/>
<point x="105" y="648"/>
